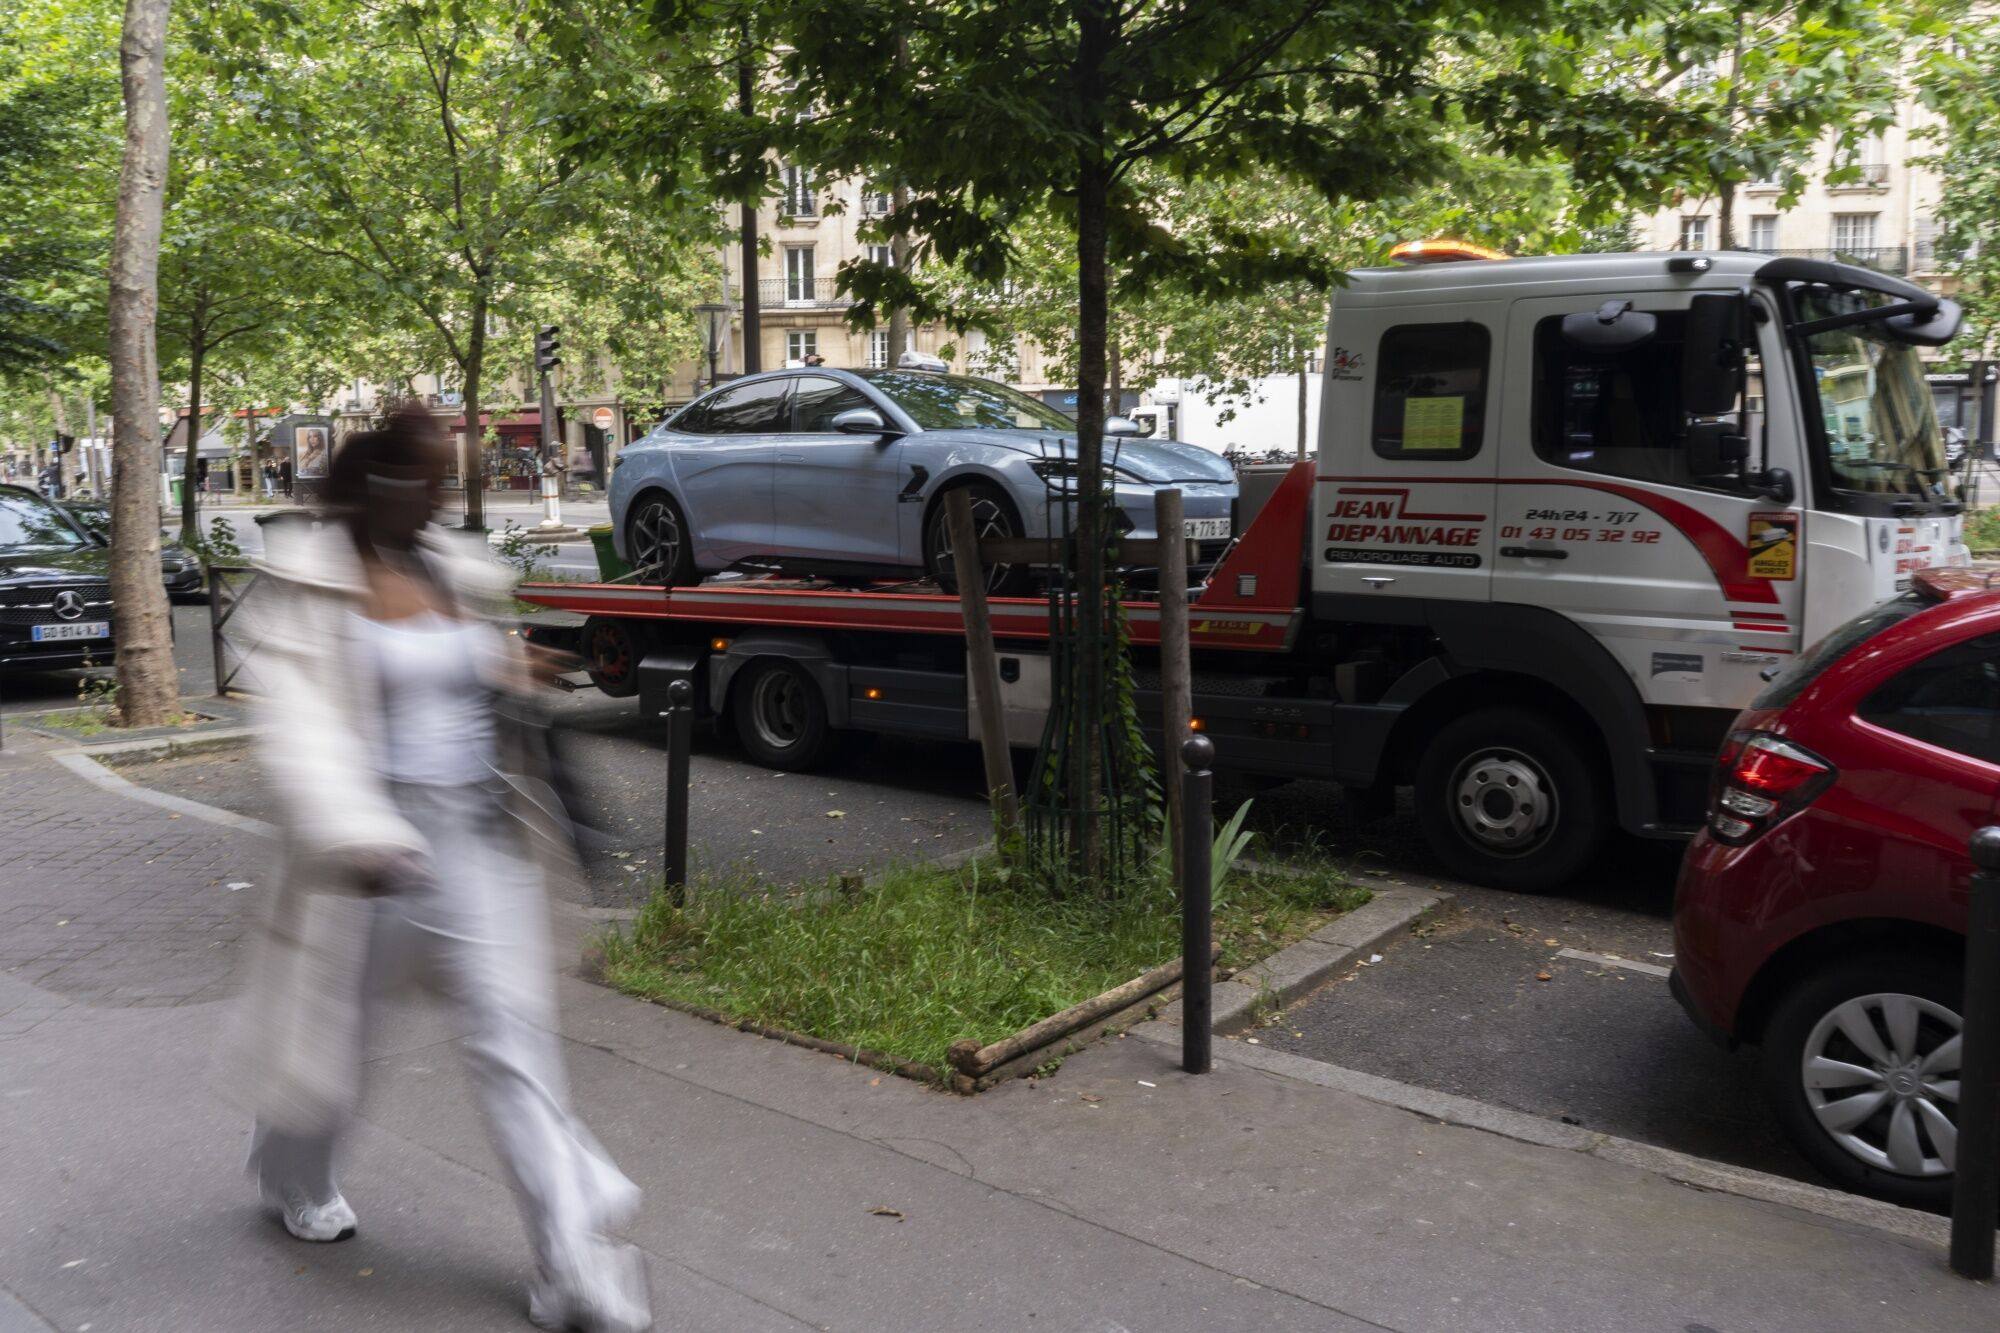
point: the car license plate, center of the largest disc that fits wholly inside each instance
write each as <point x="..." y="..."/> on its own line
<point x="82" y="629"/>
<point x="1207" y="529"/>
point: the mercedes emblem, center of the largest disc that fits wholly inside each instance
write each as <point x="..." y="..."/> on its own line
<point x="69" y="604"/>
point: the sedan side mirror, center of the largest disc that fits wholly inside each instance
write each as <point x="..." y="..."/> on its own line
<point x="860" y="421"/>
<point x="1121" y="426"/>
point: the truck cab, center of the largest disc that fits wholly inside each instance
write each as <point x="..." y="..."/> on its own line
<point x="1571" y="511"/>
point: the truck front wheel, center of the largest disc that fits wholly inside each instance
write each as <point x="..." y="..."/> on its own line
<point x="1509" y="797"/>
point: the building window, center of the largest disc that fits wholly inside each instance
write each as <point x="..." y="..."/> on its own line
<point x="799" y="275"/>
<point x="1854" y="233"/>
<point x="800" y="199"/>
<point x="1764" y="232"/>
<point x="876" y="203"/>
<point x="878" y="349"/>
<point x="1430" y="391"/>
<point x="1924" y="251"/>
<point x="883" y="255"/>
<point x="1694" y="234"/>
<point x="800" y="344"/>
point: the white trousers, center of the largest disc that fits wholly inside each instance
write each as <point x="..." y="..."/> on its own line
<point x="475" y="932"/>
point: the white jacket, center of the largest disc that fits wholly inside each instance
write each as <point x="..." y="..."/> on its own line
<point x="297" y="1054"/>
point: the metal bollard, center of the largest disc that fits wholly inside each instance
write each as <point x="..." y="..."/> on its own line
<point x="680" y="739"/>
<point x="1197" y="928"/>
<point x="1975" y="1196"/>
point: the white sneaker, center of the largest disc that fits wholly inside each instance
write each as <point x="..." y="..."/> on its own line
<point x="329" y="1221"/>
<point x="608" y="1293"/>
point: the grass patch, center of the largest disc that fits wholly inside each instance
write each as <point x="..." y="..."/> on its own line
<point x="1982" y="529"/>
<point x="924" y="956"/>
<point x="81" y="721"/>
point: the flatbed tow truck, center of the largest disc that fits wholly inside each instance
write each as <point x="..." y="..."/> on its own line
<point x="1566" y="517"/>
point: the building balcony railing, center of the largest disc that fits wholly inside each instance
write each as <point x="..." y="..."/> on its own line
<point x="797" y="294"/>
<point x="1890" y="259"/>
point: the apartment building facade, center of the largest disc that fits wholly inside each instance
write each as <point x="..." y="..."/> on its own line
<point x="1884" y="218"/>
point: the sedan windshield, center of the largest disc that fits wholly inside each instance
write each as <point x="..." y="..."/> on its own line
<point x="959" y="402"/>
<point x="1881" y="431"/>
<point x="28" y="521"/>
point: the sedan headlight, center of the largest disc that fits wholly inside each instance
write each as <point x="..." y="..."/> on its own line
<point x="1059" y="474"/>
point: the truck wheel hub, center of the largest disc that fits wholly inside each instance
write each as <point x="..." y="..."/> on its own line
<point x="1504" y="801"/>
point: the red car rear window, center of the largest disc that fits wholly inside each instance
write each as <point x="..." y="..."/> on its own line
<point x="1792" y="682"/>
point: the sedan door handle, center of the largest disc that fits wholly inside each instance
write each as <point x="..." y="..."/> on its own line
<point x="1534" y="553"/>
<point x="791" y="458"/>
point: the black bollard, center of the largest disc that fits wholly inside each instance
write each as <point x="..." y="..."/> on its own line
<point x="1975" y="1195"/>
<point x="680" y="738"/>
<point x="1197" y="928"/>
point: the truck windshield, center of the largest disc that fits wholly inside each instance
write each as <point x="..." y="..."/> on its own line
<point x="1882" y="433"/>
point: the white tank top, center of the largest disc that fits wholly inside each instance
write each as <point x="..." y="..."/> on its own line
<point x="437" y="727"/>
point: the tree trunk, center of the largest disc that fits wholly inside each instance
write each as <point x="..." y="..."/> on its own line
<point x="1088" y="713"/>
<point x="1114" y="368"/>
<point x="59" y="415"/>
<point x="472" y="465"/>
<point x="190" y="516"/>
<point x="148" y="685"/>
<point x="753" y="315"/>
<point x="899" y="255"/>
<point x="1725" y="190"/>
<point x="1305" y="370"/>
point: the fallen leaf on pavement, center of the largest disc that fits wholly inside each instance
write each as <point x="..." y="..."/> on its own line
<point x="367" y="1272"/>
<point x="882" y="1210"/>
<point x="875" y="1082"/>
<point x="1090" y="1096"/>
<point x="1543" y="976"/>
<point x="836" y="814"/>
<point x="1550" y="943"/>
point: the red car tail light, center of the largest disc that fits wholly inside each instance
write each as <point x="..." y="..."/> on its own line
<point x="1761" y="780"/>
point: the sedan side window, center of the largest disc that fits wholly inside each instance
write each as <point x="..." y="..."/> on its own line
<point x="693" y="419"/>
<point x="816" y="401"/>
<point x="757" y="408"/>
<point x="1950" y="699"/>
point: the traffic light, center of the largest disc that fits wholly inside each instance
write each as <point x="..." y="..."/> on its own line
<point x="547" y="344"/>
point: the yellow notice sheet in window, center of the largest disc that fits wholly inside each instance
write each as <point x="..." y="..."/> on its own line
<point x="1432" y="423"/>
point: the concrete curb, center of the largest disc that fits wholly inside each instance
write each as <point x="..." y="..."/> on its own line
<point x="1697" y="1172"/>
<point x="1338" y="945"/>
<point x="86" y="767"/>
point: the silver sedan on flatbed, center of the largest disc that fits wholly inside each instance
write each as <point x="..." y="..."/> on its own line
<point x="843" y="473"/>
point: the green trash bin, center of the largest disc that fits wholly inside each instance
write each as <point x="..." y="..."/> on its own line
<point x="174" y="490"/>
<point x="609" y="566"/>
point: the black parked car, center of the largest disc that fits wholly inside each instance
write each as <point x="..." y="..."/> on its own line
<point x="179" y="569"/>
<point x="55" y="587"/>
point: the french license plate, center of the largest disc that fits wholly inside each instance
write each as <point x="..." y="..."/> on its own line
<point x="82" y="629"/>
<point x="1207" y="529"/>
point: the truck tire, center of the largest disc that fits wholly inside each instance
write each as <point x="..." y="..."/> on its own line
<point x="781" y="716"/>
<point x="1867" y="1119"/>
<point x="1509" y="797"/>
<point x="611" y="651"/>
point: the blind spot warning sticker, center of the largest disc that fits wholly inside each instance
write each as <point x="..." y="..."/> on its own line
<point x="1774" y="546"/>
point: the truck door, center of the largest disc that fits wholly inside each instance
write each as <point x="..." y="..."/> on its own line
<point x="1407" y="453"/>
<point x="1691" y="582"/>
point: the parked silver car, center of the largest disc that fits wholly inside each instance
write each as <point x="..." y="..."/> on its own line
<point x="843" y="471"/>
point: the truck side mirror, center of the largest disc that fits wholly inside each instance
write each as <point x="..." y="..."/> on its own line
<point x="1716" y="449"/>
<point x="1612" y="327"/>
<point x="1712" y="361"/>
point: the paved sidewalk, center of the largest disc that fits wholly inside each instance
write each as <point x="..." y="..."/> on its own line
<point x="1120" y="1194"/>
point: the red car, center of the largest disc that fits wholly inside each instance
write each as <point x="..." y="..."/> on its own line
<point x="1821" y="914"/>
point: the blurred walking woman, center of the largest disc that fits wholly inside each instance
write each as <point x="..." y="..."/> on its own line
<point x="411" y="831"/>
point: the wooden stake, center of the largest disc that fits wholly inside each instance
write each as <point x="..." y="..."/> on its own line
<point x="1176" y="678"/>
<point x="983" y="664"/>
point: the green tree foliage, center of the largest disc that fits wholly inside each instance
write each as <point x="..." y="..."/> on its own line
<point x="1962" y="84"/>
